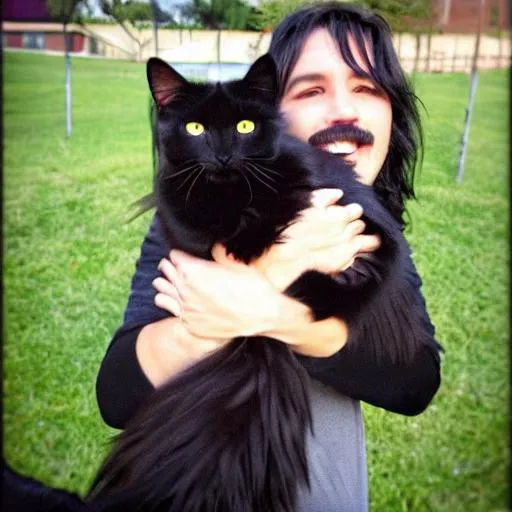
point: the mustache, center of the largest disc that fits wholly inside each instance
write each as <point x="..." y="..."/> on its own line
<point x="348" y="132"/>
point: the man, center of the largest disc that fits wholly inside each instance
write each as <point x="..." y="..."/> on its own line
<point x="336" y="66"/>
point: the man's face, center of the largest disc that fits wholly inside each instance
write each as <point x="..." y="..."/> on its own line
<point x="325" y="99"/>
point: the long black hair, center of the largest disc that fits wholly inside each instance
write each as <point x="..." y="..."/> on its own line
<point x="395" y="181"/>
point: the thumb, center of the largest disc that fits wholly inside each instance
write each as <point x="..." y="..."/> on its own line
<point x="324" y="197"/>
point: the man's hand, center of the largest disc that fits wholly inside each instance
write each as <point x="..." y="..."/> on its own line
<point x="217" y="299"/>
<point x="326" y="237"/>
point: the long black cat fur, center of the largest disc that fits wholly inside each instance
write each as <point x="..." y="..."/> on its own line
<point x="228" y="433"/>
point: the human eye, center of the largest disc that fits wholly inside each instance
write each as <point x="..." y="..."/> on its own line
<point x="367" y="88"/>
<point x="309" y="93"/>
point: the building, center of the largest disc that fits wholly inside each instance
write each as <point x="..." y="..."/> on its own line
<point x="28" y="25"/>
<point x="453" y="25"/>
<point x="461" y="16"/>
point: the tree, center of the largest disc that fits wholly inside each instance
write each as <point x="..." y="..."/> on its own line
<point x="269" y="13"/>
<point x="159" y="17"/>
<point x="406" y="16"/>
<point x="401" y="15"/>
<point x="218" y="15"/>
<point x="131" y="16"/>
<point x="66" y="11"/>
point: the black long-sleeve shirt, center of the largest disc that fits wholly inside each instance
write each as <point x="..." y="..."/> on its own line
<point x="354" y="371"/>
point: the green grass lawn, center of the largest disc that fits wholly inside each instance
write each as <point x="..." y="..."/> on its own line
<point x="69" y="257"/>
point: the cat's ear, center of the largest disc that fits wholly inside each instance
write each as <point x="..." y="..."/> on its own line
<point x="262" y="77"/>
<point x="164" y="81"/>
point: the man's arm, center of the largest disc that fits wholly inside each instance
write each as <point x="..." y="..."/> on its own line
<point x="122" y="385"/>
<point x="141" y="358"/>
<point x="144" y="350"/>
<point x="375" y="375"/>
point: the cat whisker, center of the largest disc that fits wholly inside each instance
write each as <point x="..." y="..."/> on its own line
<point x="193" y="183"/>
<point x="188" y="178"/>
<point x="250" y="188"/>
<point x="186" y="162"/>
<point x="261" y="177"/>
<point x="254" y="175"/>
<point x="175" y="175"/>
<point x="260" y="171"/>
<point x="262" y="167"/>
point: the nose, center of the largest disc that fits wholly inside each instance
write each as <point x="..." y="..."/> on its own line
<point x="342" y="108"/>
<point x="223" y="159"/>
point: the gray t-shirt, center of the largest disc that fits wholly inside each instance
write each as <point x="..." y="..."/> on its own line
<point x="336" y="455"/>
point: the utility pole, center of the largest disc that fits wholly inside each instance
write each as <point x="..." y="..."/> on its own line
<point x="64" y="11"/>
<point x="68" y="81"/>
<point x="472" y="93"/>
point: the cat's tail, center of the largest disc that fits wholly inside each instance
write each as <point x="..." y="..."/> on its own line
<point x="226" y="435"/>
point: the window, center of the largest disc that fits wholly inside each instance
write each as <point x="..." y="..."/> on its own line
<point x="33" y="40"/>
<point x="93" y="46"/>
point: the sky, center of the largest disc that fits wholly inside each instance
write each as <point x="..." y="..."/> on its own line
<point x="165" y="5"/>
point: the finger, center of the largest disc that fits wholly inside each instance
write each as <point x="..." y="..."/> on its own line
<point x="167" y="303"/>
<point x="324" y="197"/>
<point x="162" y="285"/>
<point x="188" y="266"/>
<point x="353" y="211"/>
<point x="168" y="270"/>
<point x="367" y="243"/>
<point x="355" y="228"/>
<point x="342" y="216"/>
<point x="338" y="217"/>
<point x="182" y="259"/>
<point x="177" y="256"/>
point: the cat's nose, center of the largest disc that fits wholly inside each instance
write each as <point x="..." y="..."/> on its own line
<point x="224" y="160"/>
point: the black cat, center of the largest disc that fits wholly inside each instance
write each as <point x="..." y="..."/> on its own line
<point x="228" y="433"/>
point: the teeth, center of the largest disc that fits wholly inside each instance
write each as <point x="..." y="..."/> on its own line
<point x="341" y="148"/>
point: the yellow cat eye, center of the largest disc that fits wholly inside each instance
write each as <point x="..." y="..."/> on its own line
<point x="245" y="126"/>
<point x="194" y="129"/>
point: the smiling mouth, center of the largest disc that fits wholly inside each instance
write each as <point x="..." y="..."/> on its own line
<point x="342" y="140"/>
<point x="342" y="148"/>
